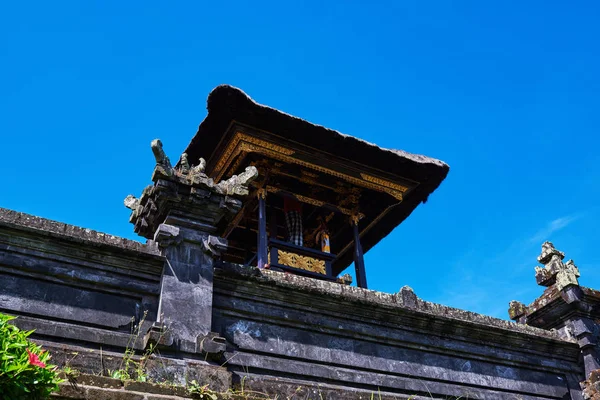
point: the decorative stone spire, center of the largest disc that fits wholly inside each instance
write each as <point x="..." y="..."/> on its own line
<point x="565" y="306"/>
<point x="555" y="272"/>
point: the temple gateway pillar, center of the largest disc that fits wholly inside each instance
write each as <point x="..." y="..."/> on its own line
<point x="180" y="213"/>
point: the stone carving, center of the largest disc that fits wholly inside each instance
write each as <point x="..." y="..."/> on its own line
<point x="184" y="165"/>
<point x="193" y="173"/>
<point x="408" y="297"/>
<point x="516" y="310"/>
<point x="163" y="164"/>
<point x="345" y="279"/>
<point x="199" y="169"/>
<point x="238" y="184"/>
<point x="555" y="272"/>
<point x="131" y="202"/>
<point x="190" y="188"/>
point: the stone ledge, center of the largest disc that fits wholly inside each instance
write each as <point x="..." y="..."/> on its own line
<point x="19" y="220"/>
<point x="85" y="392"/>
<point x="365" y="296"/>
<point x="89" y="386"/>
<point x="95" y="387"/>
<point x="95" y="364"/>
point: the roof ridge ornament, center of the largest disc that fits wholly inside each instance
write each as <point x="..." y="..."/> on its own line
<point x="555" y="271"/>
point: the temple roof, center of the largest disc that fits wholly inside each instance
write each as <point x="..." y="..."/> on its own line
<point x="228" y="105"/>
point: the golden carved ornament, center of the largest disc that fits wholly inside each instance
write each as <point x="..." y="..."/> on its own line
<point x="301" y="262"/>
<point x="386" y="184"/>
<point x="244" y="143"/>
<point x="240" y="159"/>
<point x="355" y="218"/>
<point x="250" y="143"/>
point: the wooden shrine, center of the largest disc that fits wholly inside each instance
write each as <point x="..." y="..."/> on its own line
<point x="322" y="198"/>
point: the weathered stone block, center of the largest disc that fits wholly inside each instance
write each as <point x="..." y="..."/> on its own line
<point x="93" y="393"/>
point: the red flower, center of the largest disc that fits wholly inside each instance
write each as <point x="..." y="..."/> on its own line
<point x="35" y="360"/>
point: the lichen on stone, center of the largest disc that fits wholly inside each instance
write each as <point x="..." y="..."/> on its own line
<point x="555" y="272"/>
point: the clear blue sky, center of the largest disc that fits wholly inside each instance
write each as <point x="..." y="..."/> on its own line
<point x="507" y="93"/>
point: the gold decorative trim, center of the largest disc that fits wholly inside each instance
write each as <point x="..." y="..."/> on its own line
<point x="240" y="158"/>
<point x="244" y="143"/>
<point x="308" y="200"/>
<point x="233" y="150"/>
<point x="384" y="183"/>
<point x="355" y="218"/>
<point x="314" y="202"/>
<point x="301" y="262"/>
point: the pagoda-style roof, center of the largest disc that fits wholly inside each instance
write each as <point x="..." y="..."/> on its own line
<point x="233" y="117"/>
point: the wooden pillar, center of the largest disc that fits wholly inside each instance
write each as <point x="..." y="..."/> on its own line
<point x="359" y="261"/>
<point x="261" y="246"/>
<point x="273" y="223"/>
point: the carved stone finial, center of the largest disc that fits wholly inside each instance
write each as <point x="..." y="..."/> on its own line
<point x="184" y="165"/>
<point x="555" y="272"/>
<point x="163" y="164"/>
<point x="238" y="184"/>
<point x="159" y="153"/>
<point x="200" y="167"/>
<point x="408" y="297"/>
<point x="193" y="173"/>
<point x="516" y="310"/>
<point x="187" y="187"/>
<point x="131" y="202"/>
<point x="548" y="252"/>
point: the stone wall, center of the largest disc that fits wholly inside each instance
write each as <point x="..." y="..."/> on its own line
<point x="270" y="332"/>
<point x="74" y="284"/>
<point x="285" y="330"/>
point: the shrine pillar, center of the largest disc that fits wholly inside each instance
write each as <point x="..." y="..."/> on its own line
<point x="180" y="213"/>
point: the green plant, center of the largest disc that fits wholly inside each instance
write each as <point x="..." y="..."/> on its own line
<point x="70" y="373"/>
<point x="202" y="392"/>
<point x="128" y="363"/>
<point x="130" y="368"/>
<point x="24" y="369"/>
